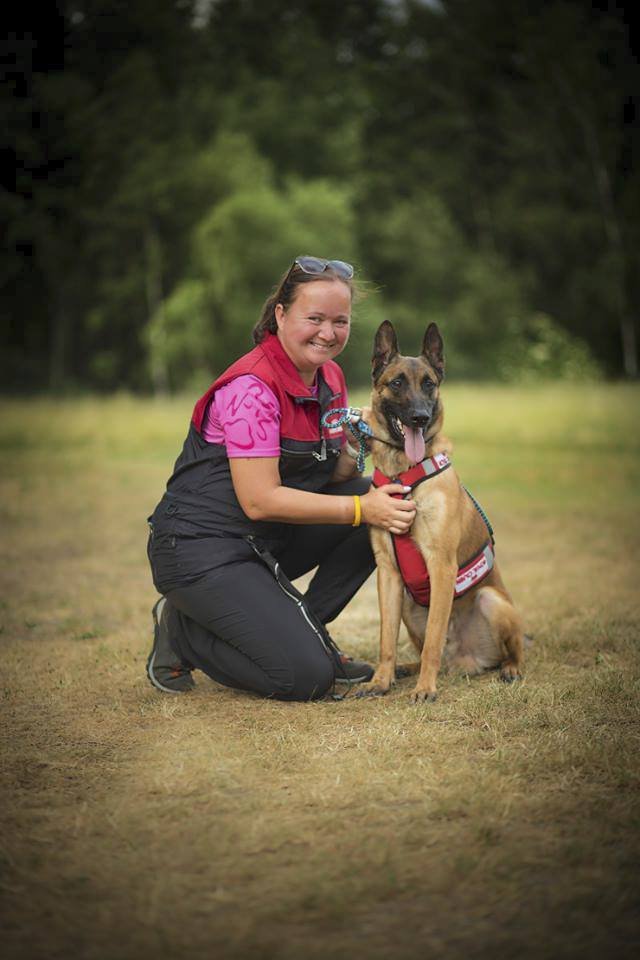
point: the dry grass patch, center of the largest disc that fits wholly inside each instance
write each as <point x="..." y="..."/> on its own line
<point x="499" y="821"/>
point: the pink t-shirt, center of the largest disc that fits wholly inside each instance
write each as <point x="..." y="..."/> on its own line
<point x="244" y="415"/>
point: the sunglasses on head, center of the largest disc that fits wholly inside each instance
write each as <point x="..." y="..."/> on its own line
<point x="317" y="266"/>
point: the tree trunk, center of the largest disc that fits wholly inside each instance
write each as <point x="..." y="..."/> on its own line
<point x="155" y="307"/>
<point x="58" y="345"/>
<point x="629" y="347"/>
<point x="612" y="229"/>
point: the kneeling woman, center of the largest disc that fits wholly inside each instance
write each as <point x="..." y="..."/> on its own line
<point x="259" y="489"/>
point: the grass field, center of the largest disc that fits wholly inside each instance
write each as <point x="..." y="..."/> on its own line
<point x="499" y="822"/>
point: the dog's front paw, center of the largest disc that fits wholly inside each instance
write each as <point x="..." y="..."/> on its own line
<point x="420" y="695"/>
<point x="373" y="689"/>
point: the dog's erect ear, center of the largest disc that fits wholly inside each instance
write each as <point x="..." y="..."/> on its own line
<point x="433" y="349"/>
<point x="385" y="347"/>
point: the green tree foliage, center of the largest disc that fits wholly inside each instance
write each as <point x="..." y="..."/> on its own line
<point x="519" y="116"/>
<point x="472" y="157"/>
<point x="240" y="247"/>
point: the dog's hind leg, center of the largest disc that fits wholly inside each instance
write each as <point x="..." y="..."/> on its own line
<point x="506" y="630"/>
<point x="408" y="669"/>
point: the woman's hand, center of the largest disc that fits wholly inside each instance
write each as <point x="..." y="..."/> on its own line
<point x="380" y="509"/>
<point x="345" y="467"/>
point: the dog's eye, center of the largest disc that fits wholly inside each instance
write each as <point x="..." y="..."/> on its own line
<point x="428" y="385"/>
<point x="397" y="383"/>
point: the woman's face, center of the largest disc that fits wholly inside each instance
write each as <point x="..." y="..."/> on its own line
<point x="315" y="327"/>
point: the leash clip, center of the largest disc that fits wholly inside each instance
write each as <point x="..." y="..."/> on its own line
<point x="350" y="417"/>
<point x="323" y="451"/>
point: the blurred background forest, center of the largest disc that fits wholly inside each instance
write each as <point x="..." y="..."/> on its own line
<point x="473" y="158"/>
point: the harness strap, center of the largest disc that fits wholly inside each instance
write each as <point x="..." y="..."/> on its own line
<point x="430" y="467"/>
<point x="416" y="576"/>
<point x="471" y="573"/>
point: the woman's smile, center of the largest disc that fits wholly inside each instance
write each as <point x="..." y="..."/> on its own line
<point x="315" y="327"/>
<point x="323" y="345"/>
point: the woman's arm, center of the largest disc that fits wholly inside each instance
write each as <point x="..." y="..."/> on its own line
<point x="262" y="496"/>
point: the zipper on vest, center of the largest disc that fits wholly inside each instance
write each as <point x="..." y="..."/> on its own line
<point x="322" y="456"/>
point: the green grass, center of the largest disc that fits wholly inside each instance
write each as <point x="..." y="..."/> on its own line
<point x="498" y="822"/>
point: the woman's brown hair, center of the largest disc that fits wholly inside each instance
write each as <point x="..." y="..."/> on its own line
<point x="286" y="292"/>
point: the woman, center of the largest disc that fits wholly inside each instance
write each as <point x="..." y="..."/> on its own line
<point x="261" y="490"/>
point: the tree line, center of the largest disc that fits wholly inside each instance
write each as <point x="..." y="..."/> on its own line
<point x="472" y="158"/>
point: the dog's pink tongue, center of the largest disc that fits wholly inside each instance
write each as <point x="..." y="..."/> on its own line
<point x="413" y="445"/>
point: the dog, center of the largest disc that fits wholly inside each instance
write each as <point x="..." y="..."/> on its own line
<point x="480" y="629"/>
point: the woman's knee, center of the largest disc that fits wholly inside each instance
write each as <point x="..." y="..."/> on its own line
<point x="307" y="675"/>
<point x="312" y="679"/>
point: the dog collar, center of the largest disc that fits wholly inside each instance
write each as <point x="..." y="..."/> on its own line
<point x="429" y="467"/>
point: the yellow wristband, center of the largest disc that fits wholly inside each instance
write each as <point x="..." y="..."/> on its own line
<point x="357" y="512"/>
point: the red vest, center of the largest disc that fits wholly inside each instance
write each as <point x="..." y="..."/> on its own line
<point x="299" y="409"/>
<point x="200" y="502"/>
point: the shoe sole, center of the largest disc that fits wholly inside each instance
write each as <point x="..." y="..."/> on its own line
<point x="152" y="656"/>
<point x="361" y="679"/>
<point x="154" y="680"/>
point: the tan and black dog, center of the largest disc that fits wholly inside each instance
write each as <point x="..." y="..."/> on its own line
<point x="480" y="628"/>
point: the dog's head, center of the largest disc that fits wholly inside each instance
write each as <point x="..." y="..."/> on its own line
<point x="405" y="395"/>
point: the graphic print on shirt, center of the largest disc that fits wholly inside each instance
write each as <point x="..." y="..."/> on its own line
<point x="248" y="416"/>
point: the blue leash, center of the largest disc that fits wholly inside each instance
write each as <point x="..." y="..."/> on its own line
<point x="482" y="514"/>
<point x="350" y="417"/>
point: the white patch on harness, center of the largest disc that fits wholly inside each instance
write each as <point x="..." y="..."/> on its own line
<point x="441" y="460"/>
<point x="434" y="464"/>
<point x="471" y="575"/>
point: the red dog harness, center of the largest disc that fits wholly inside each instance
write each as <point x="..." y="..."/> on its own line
<point x="410" y="560"/>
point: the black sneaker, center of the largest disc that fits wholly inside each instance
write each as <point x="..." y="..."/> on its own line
<point x="164" y="668"/>
<point x="352" y="671"/>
